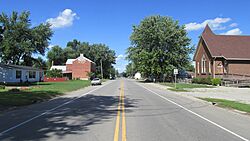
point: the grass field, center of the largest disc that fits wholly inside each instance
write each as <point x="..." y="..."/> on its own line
<point x="229" y="104"/>
<point x="183" y="87"/>
<point x="40" y="92"/>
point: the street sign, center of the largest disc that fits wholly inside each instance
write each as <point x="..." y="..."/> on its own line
<point x="175" y="71"/>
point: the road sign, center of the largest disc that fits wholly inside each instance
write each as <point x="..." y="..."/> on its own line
<point x="175" y="71"/>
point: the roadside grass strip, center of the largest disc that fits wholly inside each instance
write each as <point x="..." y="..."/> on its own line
<point x="184" y="87"/>
<point x="40" y="92"/>
<point x="229" y="104"/>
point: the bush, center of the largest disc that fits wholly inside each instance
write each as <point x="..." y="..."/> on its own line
<point x="54" y="73"/>
<point x="216" y="81"/>
<point x="198" y="80"/>
<point x="14" y="90"/>
<point x="2" y="87"/>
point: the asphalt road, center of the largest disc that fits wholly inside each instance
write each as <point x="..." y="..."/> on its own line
<point x="124" y="110"/>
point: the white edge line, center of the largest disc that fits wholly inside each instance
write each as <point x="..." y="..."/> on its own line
<point x="35" y="117"/>
<point x="200" y="116"/>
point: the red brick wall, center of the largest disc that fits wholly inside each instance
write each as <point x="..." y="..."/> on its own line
<point x="202" y="50"/>
<point x="241" y="69"/>
<point x="68" y="67"/>
<point x="80" y="69"/>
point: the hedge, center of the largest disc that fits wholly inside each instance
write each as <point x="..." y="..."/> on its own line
<point x="208" y="81"/>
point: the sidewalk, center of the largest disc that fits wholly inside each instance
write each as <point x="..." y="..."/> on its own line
<point x="228" y="93"/>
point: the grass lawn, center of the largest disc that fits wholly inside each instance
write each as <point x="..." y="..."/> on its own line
<point x="40" y="92"/>
<point x="183" y="87"/>
<point x="230" y="104"/>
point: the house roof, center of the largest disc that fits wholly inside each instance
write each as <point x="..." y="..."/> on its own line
<point x="70" y="61"/>
<point x="81" y="57"/>
<point x="63" y="68"/>
<point x="9" y="66"/>
<point x="231" y="47"/>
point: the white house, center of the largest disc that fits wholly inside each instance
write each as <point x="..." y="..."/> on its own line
<point x="16" y="74"/>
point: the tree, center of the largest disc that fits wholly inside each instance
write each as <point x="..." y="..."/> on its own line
<point x="158" y="45"/>
<point x="56" y="55"/>
<point x="40" y="63"/>
<point x="1" y="33"/>
<point x="130" y="70"/>
<point x="54" y="73"/>
<point x="21" y="40"/>
<point x="98" y="53"/>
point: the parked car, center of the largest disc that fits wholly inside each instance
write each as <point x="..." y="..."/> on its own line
<point x="184" y="75"/>
<point x="96" y="81"/>
<point x="112" y="78"/>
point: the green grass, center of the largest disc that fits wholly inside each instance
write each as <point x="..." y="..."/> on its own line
<point x="40" y="92"/>
<point x="183" y="87"/>
<point x="230" y="104"/>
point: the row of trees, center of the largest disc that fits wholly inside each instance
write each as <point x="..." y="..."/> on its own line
<point x="158" y="45"/>
<point x="20" y="41"/>
<point x="101" y="54"/>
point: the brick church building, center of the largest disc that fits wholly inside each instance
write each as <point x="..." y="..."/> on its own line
<point x="222" y="56"/>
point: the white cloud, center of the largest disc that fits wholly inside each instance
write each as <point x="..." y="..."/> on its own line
<point x="64" y="19"/>
<point x="235" y="31"/>
<point x="233" y="25"/>
<point x="50" y="46"/>
<point x="119" y="57"/>
<point x="215" y="24"/>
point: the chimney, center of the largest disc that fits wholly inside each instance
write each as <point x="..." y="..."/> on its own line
<point x="81" y="55"/>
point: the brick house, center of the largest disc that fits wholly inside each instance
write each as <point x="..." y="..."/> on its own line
<point x="77" y="68"/>
<point x="222" y="56"/>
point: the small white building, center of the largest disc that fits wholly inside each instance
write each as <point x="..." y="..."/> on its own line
<point x="137" y="76"/>
<point x="17" y="74"/>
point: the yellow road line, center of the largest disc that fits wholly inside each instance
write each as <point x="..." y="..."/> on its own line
<point x="124" y="138"/>
<point x="117" y="126"/>
<point x="120" y="106"/>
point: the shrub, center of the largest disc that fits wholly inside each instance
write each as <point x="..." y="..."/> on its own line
<point x="198" y="80"/>
<point x="54" y="73"/>
<point x="2" y="87"/>
<point x="216" y="81"/>
<point x="14" y="90"/>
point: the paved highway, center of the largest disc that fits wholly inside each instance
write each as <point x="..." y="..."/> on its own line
<point x="124" y="110"/>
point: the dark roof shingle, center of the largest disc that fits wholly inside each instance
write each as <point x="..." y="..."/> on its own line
<point x="228" y="46"/>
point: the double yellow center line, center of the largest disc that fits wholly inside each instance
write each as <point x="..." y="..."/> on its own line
<point x="121" y="107"/>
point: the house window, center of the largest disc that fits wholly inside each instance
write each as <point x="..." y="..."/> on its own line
<point x="18" y="74"/>
<point x="32" y="74"/>
<point x="203" y="64"/>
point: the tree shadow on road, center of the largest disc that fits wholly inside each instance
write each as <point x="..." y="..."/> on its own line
<point x="74" y="118"/>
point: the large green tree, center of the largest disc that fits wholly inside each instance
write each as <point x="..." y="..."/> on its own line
<point x="56" y="56"/>
<point x="21" y="39"/>
<point x="158" y="45"/>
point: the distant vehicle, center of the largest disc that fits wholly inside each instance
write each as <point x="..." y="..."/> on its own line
<point x="96" y="81"/>
<point x="112" y="78"/>
<point x="184" y="74"/>
<point x="137" y="76"/>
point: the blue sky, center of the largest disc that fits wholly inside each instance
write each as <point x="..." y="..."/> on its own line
<point x="110" y="21"/>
